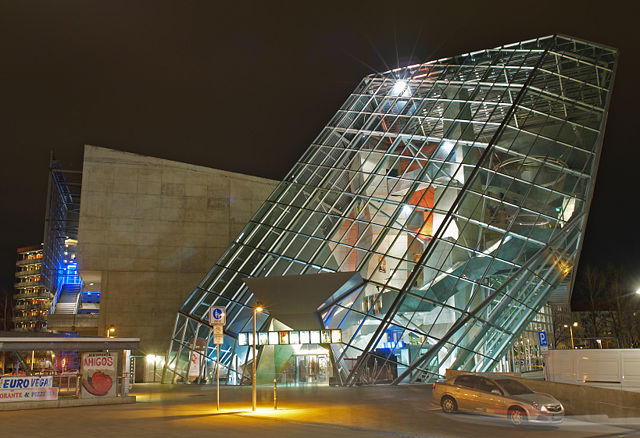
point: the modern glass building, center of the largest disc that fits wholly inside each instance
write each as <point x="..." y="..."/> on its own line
<point x="430" y="220"/>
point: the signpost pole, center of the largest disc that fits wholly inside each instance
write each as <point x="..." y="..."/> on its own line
<point x="218" y="374"/>
<point x="217" y="319"/>
<point x="253" y="365"/>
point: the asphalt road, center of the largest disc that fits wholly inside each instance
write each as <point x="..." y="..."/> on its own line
<point x="188" y="411"/>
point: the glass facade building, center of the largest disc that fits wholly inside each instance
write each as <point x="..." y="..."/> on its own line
<point x="458" y="189"/>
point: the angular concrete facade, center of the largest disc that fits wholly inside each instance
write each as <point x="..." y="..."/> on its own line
<point x="150" y="229"/>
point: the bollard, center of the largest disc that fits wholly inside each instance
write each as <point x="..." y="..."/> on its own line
<point x="275" y="398"/>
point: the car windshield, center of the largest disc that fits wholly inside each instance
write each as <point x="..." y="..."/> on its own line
<point x="513" y="387"/>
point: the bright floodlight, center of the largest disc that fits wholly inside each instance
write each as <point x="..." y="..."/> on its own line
<point x="638" y="292"/>
<point x="398" y="88"/>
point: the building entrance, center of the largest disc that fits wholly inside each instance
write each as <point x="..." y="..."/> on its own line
<point x="313" y="369"/>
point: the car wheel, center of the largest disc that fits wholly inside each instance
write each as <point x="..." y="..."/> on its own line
<point x="449" y="405"/>
<point x="517" y="416"/>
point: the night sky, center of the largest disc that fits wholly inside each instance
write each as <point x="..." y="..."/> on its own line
<point x="246" y="86"/>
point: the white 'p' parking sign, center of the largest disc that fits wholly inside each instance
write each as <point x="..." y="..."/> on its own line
<point x="542" y="337"/>
<point x="217" y="315"/>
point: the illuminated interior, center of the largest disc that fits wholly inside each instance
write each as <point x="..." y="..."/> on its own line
<point x="458" y="189"/>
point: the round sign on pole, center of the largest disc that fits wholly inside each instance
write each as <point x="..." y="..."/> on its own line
<point x="217" y="315"/>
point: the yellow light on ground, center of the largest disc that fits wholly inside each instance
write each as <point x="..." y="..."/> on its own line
<point x="270" y="412"/>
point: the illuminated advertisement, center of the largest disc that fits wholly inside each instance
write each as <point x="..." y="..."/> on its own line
<point x="292" y="337"/>
<point x="99" y="375"/>
<point x="27" y="388"/>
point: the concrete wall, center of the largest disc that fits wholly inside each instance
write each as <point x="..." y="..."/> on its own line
<point x="150" y="229"/>
<point x="606" y="368"/>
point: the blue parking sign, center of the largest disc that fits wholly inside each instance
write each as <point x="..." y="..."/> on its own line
<point x="542" y="337"/>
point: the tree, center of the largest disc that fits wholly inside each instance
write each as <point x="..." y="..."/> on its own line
<point x="622" y="304"/>
<point x="6" y="309"/>
<point x="594" y="284"/>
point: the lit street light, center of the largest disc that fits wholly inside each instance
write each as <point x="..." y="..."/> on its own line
<point x="256" y="309"/>
<point x="575" y="324"/>
<point x="110" y="331"/>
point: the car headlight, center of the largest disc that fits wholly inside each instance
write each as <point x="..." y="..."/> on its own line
<point x="535" y="405"/>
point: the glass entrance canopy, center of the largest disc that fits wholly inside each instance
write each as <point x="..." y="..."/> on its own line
<point x="458" y="189"/>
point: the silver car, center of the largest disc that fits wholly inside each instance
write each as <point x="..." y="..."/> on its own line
<point x="497" y="395"/>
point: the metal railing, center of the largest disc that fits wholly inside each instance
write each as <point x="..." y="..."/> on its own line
<point x="28" y="273"/>
<point x="69" y="384"/>
<point x="24" y="284"/>
<point x="29" y="307"/>
<point x="45" y="295"/>
<point x="28" y="261"/>
<point x="29" y="318"/>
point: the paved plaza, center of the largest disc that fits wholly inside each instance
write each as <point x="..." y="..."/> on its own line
<point x="187" y="411"/>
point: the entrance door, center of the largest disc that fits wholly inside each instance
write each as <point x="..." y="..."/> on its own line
<point x="312" y="369"/>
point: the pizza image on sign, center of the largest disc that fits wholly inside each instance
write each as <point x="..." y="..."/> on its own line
<point x="99" y="375"/>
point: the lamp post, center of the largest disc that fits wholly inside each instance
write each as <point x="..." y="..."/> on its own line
<point x="575" y="324"/>
<point x="256" y="309"/>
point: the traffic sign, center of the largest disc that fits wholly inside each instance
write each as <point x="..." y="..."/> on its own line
<point x="542" y="337"/>
<point x="217" y="315"/>
<point x="218" y="339"/>
<point x="218" y="330"/>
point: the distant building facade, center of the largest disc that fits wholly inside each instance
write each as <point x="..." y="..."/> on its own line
<point x="32" y="299"/>
<point x="148" y="231"/>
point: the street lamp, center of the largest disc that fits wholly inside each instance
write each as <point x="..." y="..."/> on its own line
<point x="575" y="324"/>
<point x="256" y="309"/>
<point x="638" y="292"/>
<point x="110" y="331"/>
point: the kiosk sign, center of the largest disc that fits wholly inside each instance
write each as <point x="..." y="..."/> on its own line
<point x="27" y="388"/>
<point x="99" y="375"/>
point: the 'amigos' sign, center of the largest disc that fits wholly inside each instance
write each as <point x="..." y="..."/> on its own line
<point x="99" y="374"/>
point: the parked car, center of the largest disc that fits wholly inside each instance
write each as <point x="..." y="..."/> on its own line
<point x="497" y="395"/>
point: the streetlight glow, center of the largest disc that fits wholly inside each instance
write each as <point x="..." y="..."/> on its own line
<point x="258" y="308"/>
<point x="638" y="292"/>
<point x="570" y="327"/>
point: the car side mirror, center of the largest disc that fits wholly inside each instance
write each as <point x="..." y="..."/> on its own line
<point x="496" y="391"/>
